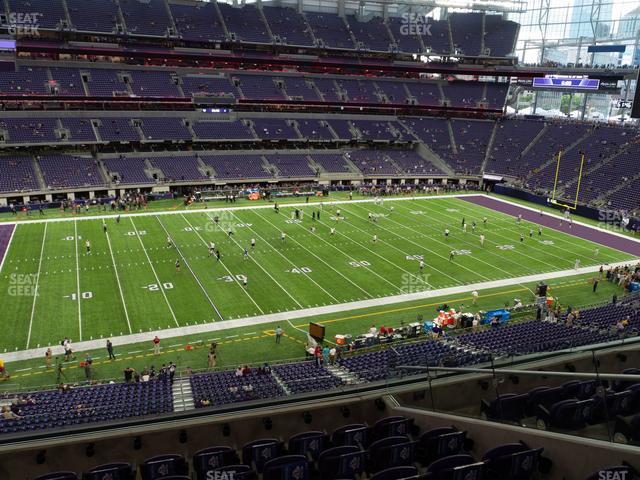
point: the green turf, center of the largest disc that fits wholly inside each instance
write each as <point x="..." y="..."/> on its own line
<point x="256" y="345"/>
<point x="129" y="282"/>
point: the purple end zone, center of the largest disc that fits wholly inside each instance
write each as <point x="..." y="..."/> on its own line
<point x="623" y="244"/>
<point x="6" y="231"/>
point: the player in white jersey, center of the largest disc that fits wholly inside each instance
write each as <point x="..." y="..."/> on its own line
<point x="313" y="230"/>
<point x="577" y="264"/>
<point x="169" y="242"/>
<point x="333" y="231"/>
<point x="375" y="238"/>
<point x="446" y="233"/>
<point x="421" y="265"/>
<point x="464" y="227"/>
<point x="253" y="243"/>
<point x="246" y="254"/>
<point x="88" y="245"/>
<point x="283" y="236"/>
<point x="481" y="240"/>
<point x="596" y="252"/>
<point x="212" y="248"/>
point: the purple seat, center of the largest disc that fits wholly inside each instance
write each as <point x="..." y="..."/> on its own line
<point x="288" y="467"/>
<point x="342" y="462"/>
<point x="396" y="473"/>
<point x="456" y="467"/>
<point x="354" y="434"/>
<point x="440" y="443"/>
<point x="162" y="466"/>
<point x="397" y="451"/>
<point x="212" y="458"/>
<point x="309" y="444"/>
<point x="257" y="453"/>
<point x="58" y="476"/>
<point x="513" y="461"/>
<point x="112" y="471"/>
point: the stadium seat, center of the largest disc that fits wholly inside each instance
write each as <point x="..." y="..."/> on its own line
<point x="58" y="476"/>
<point x="113" y="471"/>
<point x="396" y="473"/>
<point x="237" y="472"/>
<point x="309" y="444"/>
<point x="439" y="443"/>
<point x="161" y="466"/>
<point x="356" y="434"/>
<point x="570" y="414"/>
<point x="259" y="452"/>
<point x="455" y="467"/>
<point x="211" y="458"/>
<point x="288" y="467"/>
<point x="391" y="427"/>
<point x="514" y="461"/>
<point x="342" y="462"/>
<point x="398" y="451"/>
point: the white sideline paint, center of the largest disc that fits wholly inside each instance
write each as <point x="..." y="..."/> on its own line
<point x="6" y="252"/>
<point x="303" y="204"/>
<point x="307" y="312"/>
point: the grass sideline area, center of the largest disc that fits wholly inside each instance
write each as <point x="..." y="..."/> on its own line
<point x="239" y="346"/>
<point x="131" y="273"/>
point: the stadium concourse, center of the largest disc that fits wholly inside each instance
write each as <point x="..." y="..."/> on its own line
<point x="314" y="244"/>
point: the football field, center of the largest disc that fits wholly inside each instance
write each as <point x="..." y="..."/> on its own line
<point x="52" y="287"/>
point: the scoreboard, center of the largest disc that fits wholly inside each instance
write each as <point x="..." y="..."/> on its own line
<point x="567" y="81"/>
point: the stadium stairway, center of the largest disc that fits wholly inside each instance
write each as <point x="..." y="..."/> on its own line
<point x="182" y="395"/>
<point x="487" y="154"/>
<point x="345" y="375"/>
<point x="429" y="155"/>
<point x="604" y="197"/>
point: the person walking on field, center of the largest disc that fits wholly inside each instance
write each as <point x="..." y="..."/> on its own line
<point x="279" y="333"/>
<point x="156" y="345"/>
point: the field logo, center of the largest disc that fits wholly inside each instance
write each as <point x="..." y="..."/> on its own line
<point x="546" y="242"/>
<point x="414" y="283"/>
<point x="462" y="252"/>
<point x="506" y="247"/>
<point x="23" y="24"/>
<point x="415" y="24"/>
<point x="22" y="285"/>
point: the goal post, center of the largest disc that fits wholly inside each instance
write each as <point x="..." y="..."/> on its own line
<point x="553" y="198"/>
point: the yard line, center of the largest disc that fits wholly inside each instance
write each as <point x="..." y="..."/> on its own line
<point x="175" y="245"/>
<point x="79" y="296"/>
<point x="6" y="252"/>
<point x="369" y="269"/>
<point x="35" y="291"/>
<point x="289" y="261"/>
<point x="383" y="258"/>
<point x="490" y="252"/>
<point x="316" y="256"/>
<point x="233" y="277"/>
<point x="115" y="269"/>
<point x="260" y="266"/>
<point x="423" y="247"/>
<point x="550" y="232"/>
<point x="164" y="294"/>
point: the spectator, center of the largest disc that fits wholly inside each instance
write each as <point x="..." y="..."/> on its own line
<point x="110" y="350"/>
<point x="88" y="365"/>
<point x="156" y="345"/>
<point x="325" y="355"/>
<point x="47" y="358"/>
<point x="128" y="374"/>
<point x="212" y="359"/>
<point x="246" y="371"/>
<point x="239" y="372"/>
<point x="332" y="356"/>
<point x="172" y="371"/>
<point x="7" y="414"/>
